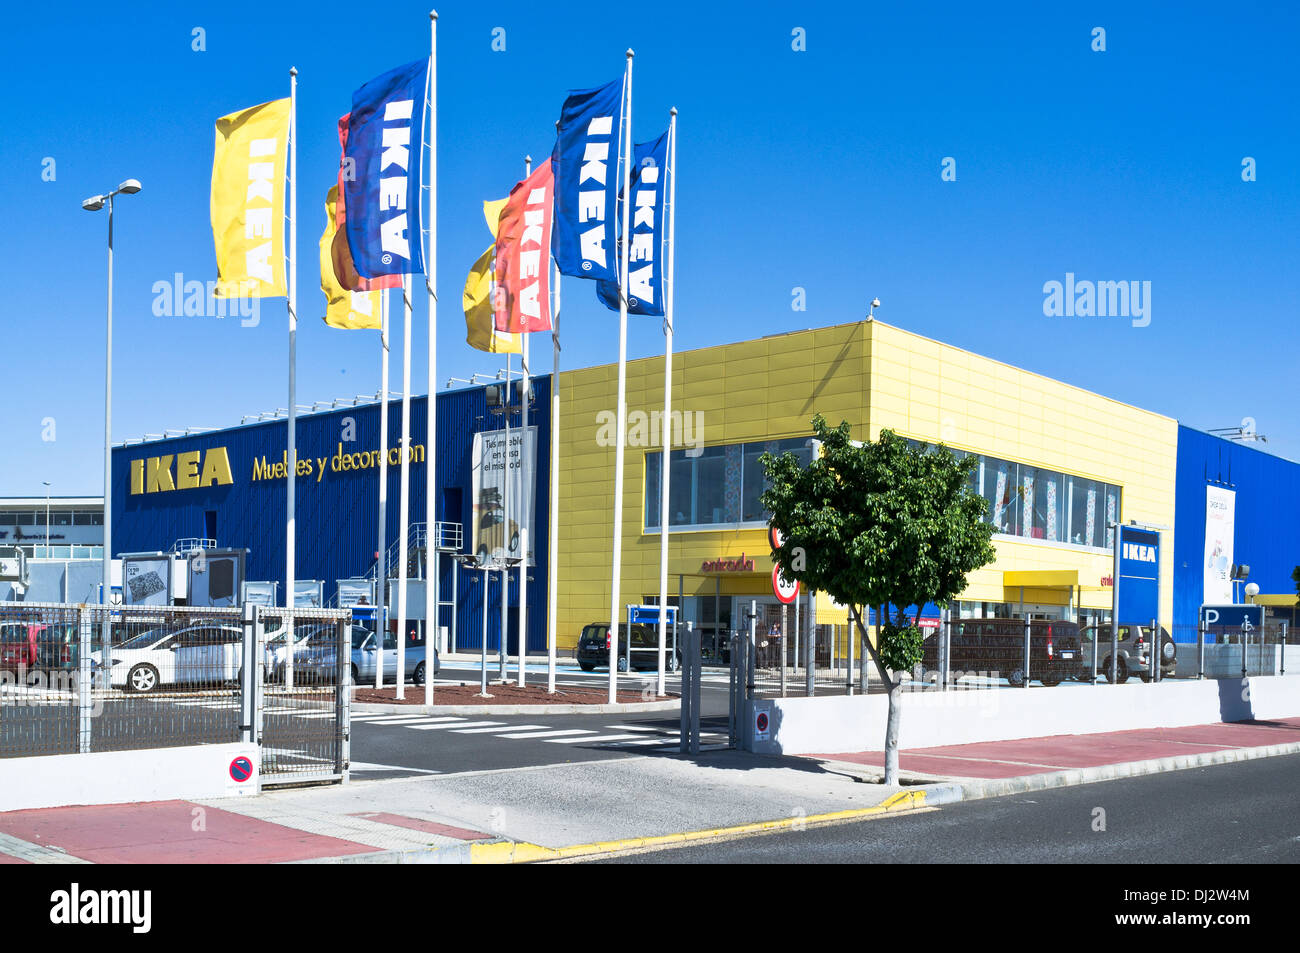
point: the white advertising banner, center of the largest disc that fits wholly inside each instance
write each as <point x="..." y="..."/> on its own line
<point x="494" y="535"/>
<point x="1220" y="522"/>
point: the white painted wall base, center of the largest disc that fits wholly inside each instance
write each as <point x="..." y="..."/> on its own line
<point x="930" y="719"/>
<point x="120" y="777"/>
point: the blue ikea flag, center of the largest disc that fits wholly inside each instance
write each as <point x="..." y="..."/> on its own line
<point x="385" y="135"/>
<point x="645" y="260"/>
<point x="585" y="162"/>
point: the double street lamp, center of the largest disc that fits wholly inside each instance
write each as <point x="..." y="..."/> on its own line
<point x="94" y="204"/>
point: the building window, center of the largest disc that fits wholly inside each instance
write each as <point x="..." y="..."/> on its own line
<point x="718" y="486"/>
<point x="1037" y="503"/>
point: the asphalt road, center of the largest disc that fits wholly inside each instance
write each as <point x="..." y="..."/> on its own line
<point x="1241" y="813"/>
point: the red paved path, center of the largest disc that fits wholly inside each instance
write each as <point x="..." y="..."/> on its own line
<point x="163" y="832"/>
<point x="1010" y="759"/>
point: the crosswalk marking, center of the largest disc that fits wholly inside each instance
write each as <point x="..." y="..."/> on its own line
<point x="500" y="727"/>
<point x="550" y="734"/>
<point x="596" y="740"/>
<point x="632" y="728"/>
<point x="454" y="725"/>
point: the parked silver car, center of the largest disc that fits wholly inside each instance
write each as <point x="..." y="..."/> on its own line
<point x="364" y="657"/>
<point x="1133" y="657"/>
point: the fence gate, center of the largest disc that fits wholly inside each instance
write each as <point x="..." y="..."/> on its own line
<point x="300" y="713"/>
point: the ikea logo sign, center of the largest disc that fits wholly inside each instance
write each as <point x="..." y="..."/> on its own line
<point x="1139" y="553"/>
<point x="181" y="471"/>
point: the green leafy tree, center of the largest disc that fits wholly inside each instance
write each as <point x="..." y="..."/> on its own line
<point x="885" y="524"/>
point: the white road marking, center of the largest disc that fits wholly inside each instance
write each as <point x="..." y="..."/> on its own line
<point x="480" y="731"/>
<point x="465" y="724"/>
<point x="574" y="741"/>
<point x="550" y="734"/>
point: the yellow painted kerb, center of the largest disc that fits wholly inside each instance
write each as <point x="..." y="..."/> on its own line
<point x="521" y="852"/>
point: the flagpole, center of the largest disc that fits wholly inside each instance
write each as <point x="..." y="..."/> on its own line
<point x="553" y="523"/>
<point x="404" y="497"/>
<point x="505" y="527"/>
<point x="523" y="508"/>
<point x="432" y="557"/>
<point x="291" y="464"/>
<point x="666" y="468"/>
<point x="381" y="580"/>
<point x="625" y="155"/>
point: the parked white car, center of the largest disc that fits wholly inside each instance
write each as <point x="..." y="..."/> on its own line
<point x="205" y="654"/>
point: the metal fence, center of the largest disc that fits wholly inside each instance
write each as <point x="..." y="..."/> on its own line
<point x="973" y="654"/>
<point x="92" y="678"/>
<point x="304" y="715"/>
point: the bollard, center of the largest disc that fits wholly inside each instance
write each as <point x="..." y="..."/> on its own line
<point x="1200" y="650"/>
<point x="1153" y="650"/>
<point x="1025" y="682"/>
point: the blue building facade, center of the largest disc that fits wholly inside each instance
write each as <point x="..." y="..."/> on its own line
<point x="230" y="486"/>
<point x="1265" y="490"/>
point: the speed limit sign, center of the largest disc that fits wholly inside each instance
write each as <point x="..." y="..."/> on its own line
<point x="785" y="592"/>
<point x="775" y="538"/>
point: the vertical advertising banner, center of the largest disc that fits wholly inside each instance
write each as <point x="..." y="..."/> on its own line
<point x="494" y="536"/>
<point x="1220" y="523"/>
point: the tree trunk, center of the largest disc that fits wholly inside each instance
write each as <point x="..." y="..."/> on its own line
<point x="891" y="731"/>
<point x="895" y="684"/>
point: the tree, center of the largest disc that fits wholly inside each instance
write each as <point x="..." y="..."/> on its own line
<point x="884" y="524"/>
<point x="1295" y="575"/>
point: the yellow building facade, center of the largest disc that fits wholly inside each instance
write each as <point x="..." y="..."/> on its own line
<point x="1057" y="464"/>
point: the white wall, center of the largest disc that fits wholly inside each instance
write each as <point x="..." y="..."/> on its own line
<point x="120" y="777"/>
<point x="931" y="719"/>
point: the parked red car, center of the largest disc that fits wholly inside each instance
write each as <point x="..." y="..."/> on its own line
<point x="18" y="646"/>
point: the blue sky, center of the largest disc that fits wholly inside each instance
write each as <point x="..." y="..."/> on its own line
<point x="818" y="169"/>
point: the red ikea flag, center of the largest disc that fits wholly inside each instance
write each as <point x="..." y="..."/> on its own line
<point x="523" y="272"/>
<point x="340" y="254"/>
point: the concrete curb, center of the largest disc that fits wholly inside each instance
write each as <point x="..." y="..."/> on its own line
<point x="621" y="708"/>
<point x="502" y="851"/>
<point x="950" y="792"/>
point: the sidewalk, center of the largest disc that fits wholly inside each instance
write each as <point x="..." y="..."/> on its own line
<point x="473" y="817"/>
<point x="1033" y="763"/>
<point x="601" y="807"/>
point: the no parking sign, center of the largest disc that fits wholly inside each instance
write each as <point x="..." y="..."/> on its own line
<point x="762" y="722"/>
<point x="242" y="770"/>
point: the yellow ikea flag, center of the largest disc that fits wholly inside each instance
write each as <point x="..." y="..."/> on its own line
<point x="344" y="308"/>
<point x="492" y="212"/>
<point x="480" y="326"/>
<point x="248" y="176"/>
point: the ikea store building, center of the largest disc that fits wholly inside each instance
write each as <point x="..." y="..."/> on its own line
<point x="1059" y="467"/>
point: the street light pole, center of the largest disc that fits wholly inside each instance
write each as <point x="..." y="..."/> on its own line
<point x="47" y="518"/>
<point x="94" y="204"/>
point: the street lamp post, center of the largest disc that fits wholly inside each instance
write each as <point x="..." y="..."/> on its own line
<point x="94" y="204"/>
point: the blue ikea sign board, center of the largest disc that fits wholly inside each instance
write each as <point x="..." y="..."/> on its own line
<point x="1243" y="617"/>
<point x="1137" y="577"/>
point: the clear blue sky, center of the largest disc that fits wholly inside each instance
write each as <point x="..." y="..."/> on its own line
<point x="817" y="169"/>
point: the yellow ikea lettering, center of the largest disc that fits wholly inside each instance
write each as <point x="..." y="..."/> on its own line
<point x="194" y="469"/>
<point x="158" y="474"/>
<point x="187" y="470"/>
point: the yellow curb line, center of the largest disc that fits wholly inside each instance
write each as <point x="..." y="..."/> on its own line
<point x="521" y="852"/>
